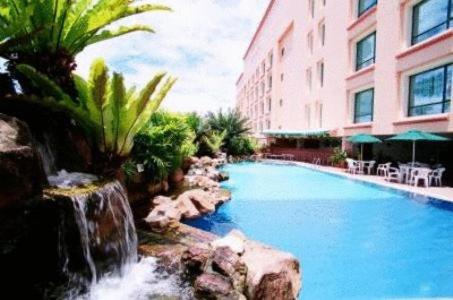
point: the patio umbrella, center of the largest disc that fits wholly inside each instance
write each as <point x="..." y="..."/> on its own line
<point x="362" y="139"/>
<point x="417" y="135"/>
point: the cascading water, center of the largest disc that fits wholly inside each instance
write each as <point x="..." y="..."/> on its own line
<point x="98" y="241"/>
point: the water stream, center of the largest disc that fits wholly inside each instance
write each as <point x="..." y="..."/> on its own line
<point x="105" y="264"/>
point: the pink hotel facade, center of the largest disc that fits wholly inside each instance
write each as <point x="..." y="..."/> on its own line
<point x="349" y="66"/>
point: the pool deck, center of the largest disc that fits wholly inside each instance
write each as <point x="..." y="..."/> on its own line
<point x="442" y="193"/>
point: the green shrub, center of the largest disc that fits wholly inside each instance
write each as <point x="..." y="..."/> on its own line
<point x="164" y="144"/>
<point x="339" y="156"/>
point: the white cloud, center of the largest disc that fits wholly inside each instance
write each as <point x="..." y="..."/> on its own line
<point x="202" y="43"/>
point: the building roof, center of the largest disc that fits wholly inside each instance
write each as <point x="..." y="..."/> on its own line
<point x="260" y="26"/>
<point x="297" y="133"/>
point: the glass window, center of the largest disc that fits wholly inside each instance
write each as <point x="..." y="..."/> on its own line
<point x="366" y="5"/>
<point x="429" y="18"/>
<point x="430" y="91"/>
<point x="366" y="51"/>
<point x="363" y="106"/>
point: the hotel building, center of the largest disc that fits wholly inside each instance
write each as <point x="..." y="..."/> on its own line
<point x="349" y="66"/>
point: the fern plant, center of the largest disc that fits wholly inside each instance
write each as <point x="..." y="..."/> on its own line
<point x="48" y="34"/>
<point x="214" y="140"/>
<point x="110" y="114"/>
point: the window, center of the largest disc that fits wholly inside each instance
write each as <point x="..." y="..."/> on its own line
<point x="263" y="67"/>
<point x="308" y="78"/>
<point x="282" y="52"/>
<point x="322" y="33"/>
<point x="310" y="41"/>
<point x="363" y="106"/>
<point x="431" y="17"/>
<point x="269" y="104"/>
<point x="271" y="59"/>
<point x="269" y="82"/>
<point x="268" y="124"/>
<point x="311" y="7"/>
<point x="307" y="115"/>
<point x="366" y="5"/>
<point x="281" y="102"/>
<point x="282" y="77"/>
<point x="262" y="88"/>
<point x="366" y="51"/>
<point x="321" y="73"/>
<point x="430" y="91"/>
<point x="320" y="115"/>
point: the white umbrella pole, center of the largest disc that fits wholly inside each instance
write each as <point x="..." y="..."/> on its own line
<point x="413" y="153"/>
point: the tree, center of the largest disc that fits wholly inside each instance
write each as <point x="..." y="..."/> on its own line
<point x="231" y="122"/>
<point x="48" y="34"/>
<point x="110" y="114"/>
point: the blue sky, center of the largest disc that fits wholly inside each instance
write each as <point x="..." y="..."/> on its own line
<point x="202" y="43"/>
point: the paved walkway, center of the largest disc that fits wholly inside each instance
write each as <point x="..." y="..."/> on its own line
<point x="441" y="193"/>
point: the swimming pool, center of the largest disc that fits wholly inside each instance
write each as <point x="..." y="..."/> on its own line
<point x="354" y="240"/>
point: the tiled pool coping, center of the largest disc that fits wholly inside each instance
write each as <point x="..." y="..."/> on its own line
<point x="436" y="193"/>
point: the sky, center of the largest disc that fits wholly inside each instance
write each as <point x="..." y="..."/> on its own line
<point x="201" y="42"/>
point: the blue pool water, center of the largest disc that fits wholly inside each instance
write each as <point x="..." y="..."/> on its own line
<point x="354" y="240"/>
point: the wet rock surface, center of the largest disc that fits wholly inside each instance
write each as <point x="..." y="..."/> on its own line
<point x="21" y="172"/>
<point x="232" y="267"/>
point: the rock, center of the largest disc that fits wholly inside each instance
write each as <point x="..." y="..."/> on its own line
<point x="271" y="274"/>
<point x="224" y="176"/>
<point x="227" y="263"/>
<point x="187" y="208"/>
<point x="163" y="217"/>
<point x="206" y="161"/>
<point x="21" y="172"/>
<point x="161" y="200"/>
<point x="235" y="240"/>
<point x="195" y="259"/>
<point x="220" y="196"/>
<point x="177" y="176"/>
<point x="213" y="286"/>
<point x="169" y="254"/>
<point x="202" y="200"/>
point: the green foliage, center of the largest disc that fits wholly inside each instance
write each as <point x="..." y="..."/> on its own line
<point x="48" y="34"/>
<point x="235" y="127"/>
<point x="339" y="156"/>
<point x="214" y="140"/>
<point x="110" y="115"/>
<point x="243" y="145"/>
<point x="164" y="144"/>
<point x="66" y="24"/>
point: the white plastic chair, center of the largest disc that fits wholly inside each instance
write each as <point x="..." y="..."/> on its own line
<point x="418" y="174"/>
<point x="353" y="166"/>
<point x="368" y="166"/>
<point x="405" y="173"/>
<point x="393" y="174"/>
<point x="436" y="176"/>
<point x="382" y="169"/>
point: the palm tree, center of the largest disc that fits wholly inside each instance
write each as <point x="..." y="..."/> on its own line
<point x="110" y="114"/>
<point x="230" y="122"/>
<point x="48" y="34"/>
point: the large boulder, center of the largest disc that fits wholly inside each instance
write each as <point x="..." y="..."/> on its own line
<point x="164" y="217"/>
<point x="271" y="274"/>
<point x="202" y="200"/>
<point x="213" y="286"/>
<point x="21" y="172"/>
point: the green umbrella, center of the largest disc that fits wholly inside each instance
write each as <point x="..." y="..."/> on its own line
<point x="363" y="138"/>
<point x="418" y="135"/>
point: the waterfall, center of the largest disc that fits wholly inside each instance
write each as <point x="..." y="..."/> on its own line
<point x="107" y="243"/>
<point x="47" y="154"/>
